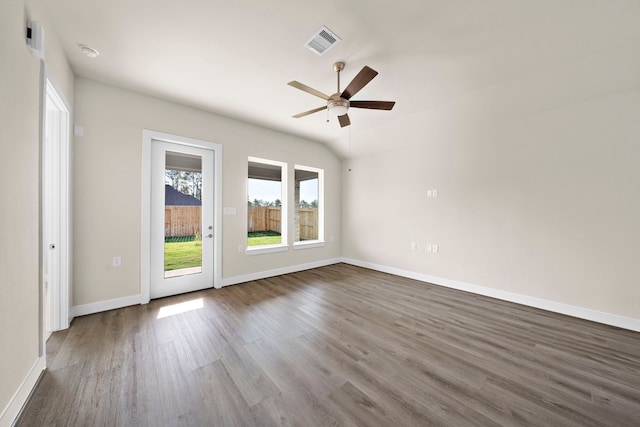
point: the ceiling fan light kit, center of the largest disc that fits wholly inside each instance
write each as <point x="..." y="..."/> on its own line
<point x="338" y="104"/>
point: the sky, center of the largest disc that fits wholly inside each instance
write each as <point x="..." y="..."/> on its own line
<point x="269" y="191"/>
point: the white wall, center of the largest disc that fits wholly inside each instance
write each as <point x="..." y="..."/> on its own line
<point x="539" y="188"/>
<point x="107" y="186"/>
<point x="20" y="96"/>
<point x="19" y="93"/>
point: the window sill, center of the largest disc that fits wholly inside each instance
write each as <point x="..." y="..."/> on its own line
<point x="266" y="249"/>
<point x="308" y="244"/>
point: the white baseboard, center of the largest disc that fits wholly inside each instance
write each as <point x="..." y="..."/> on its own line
<point x="556" y="307"/>
<point x="12" y="410"/>
<point x="632" y="324"/>
<point x="96" y="307"/>
<point x="278" y="271"/>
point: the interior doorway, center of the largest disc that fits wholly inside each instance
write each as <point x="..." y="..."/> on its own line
<point x="55" y="243"/>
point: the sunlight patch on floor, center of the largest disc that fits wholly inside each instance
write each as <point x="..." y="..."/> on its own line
<point x="182" y="307"/>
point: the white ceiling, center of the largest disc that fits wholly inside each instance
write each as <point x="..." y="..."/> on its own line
<point x="235" y="57"/>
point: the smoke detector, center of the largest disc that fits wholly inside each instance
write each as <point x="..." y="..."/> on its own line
<point x="322" y="41"/>
<point x="88" y="51"/>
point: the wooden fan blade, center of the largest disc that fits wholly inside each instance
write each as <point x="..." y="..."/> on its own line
<point x="364" y="76"/>
<point x="306" y="113"/>
<point x="344" y="120"/>
<point x="308" y="89"/>
<point x="373" y="105"/>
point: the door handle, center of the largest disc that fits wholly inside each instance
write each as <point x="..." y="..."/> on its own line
<point x="209" y="235"/>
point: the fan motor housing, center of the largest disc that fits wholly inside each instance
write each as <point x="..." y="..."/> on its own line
<point x="337" y="105"/>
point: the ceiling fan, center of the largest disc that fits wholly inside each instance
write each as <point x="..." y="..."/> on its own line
<point x="339" y="103"/>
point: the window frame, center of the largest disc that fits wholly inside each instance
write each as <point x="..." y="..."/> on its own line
<point x="283" y="245"/>
<point x="319" y="242"/>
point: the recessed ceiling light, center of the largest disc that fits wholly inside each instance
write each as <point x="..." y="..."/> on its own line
<point x="88" y="51"/>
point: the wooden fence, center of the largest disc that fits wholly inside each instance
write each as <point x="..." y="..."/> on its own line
<point x="186" y="220"/>
<point x="267" y="218"/>
<point x="264" y="218"/>
<point x="182" y="221"/>
<point x="308" y="223"/>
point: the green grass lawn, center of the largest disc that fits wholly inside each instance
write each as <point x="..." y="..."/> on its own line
<point x="182" y="255"/>
<point x="264" y="238"/>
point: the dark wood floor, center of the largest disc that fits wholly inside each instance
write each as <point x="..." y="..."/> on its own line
<point x="338" y="345"/>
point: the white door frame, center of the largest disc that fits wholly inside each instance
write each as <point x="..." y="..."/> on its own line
<point x="56" y="306"/>
<point x="145" y="232"/>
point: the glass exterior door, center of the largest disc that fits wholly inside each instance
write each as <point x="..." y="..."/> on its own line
<point x="181" y="219"/>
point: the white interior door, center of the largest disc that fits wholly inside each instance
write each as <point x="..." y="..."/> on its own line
<point x="55" y="211"/>
<point x="182" y="219"/>
<point x="51" y="214"/>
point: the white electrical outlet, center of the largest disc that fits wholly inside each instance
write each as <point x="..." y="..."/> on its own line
<point x="117" y="261"/>
<point x="240" y="248"/>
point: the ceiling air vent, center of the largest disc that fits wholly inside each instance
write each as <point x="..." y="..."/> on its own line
<point x="322" y="41"/>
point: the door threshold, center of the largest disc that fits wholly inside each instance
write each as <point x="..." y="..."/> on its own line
<point x="182" y="272"/>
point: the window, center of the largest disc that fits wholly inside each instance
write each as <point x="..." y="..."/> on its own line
<point x="182" y="214"/>
<point x="309" y="207"/>
<point x="266" y="206"/>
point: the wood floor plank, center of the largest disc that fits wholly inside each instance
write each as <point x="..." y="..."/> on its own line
<point x="138" y="396"/>
<point x="353" y="407"/>
<point x="252" y="382"/>
<point x="404" y="412"/>
<point x="340" y="346"/>
<point x="301" y="384"/>
<point x="293" y="408"/>
<point x="222" y="399"/>
<point x="55" y="394"/>
<point x="182" y="403"/>
<point x="200" y="342"/>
